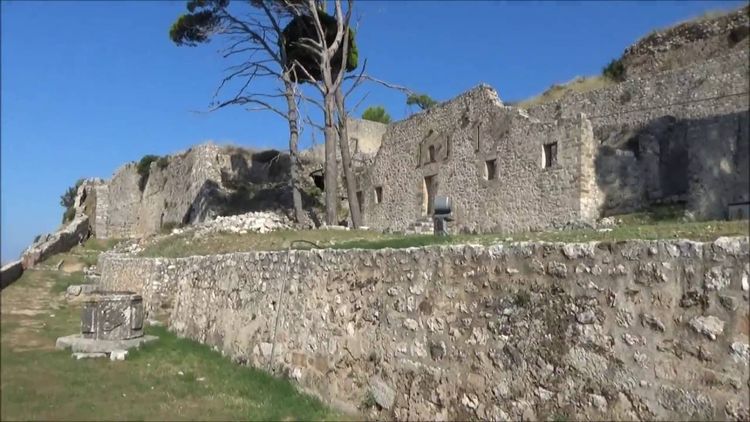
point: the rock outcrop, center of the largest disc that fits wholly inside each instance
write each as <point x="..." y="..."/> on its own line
<point x="10" y="272"/>
<point x="200" y="184"/>
<point x="683" y="44"/>
<point x="72" y="234"/>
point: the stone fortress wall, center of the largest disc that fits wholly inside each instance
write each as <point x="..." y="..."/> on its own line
<point x="660" y="137"/>
<point x="680" y="45"/>
<point x="191" y="187"/>
<point x="488" y="159"/>
<point x="601" y="331"/>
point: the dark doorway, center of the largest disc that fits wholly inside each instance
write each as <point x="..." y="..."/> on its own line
<point x="429" y="189"/>
<point x="319" y="180"/>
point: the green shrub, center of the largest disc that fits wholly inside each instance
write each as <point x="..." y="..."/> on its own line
<point x="376" y="114"/>
<point x="423" y="101"/>
<point x="69" y="214"/>
<point x="67" y="199"/>
<point x="614" y="71"/>
<point x="144" y="168"/>
<point x="162" y="162"/>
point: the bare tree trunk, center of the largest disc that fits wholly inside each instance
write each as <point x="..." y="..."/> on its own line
<point x="331" y="174"/>
<point x="346" y="161"/>
<point x="293" y="119"/>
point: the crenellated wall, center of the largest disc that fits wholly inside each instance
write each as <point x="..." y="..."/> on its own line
<point x="614" y="331"/>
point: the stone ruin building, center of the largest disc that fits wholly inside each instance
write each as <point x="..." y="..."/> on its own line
<point x="675" y="131"/>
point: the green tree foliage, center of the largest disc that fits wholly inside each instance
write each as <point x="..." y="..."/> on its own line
<point x="206" y="17"/>
<point x="303" y="27"/>
<point x="67" y="201"/>
<point x="615" y="70"/>
<point x="69" y="214"/>
<point x="376" y="114"/>
<point x="198" y="24"/>
<point x="144" y="169"/>
<point x="162" y="162"/>
<point x="423" y="101"/>
<point x="68" y="198"/>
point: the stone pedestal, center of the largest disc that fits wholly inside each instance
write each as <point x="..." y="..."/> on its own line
<point x="111" y="323"/>
<point x="112" y="316"/>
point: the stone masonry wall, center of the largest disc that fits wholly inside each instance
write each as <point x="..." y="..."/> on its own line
<point x="189" y="187"/>
<point x="604" y="331"/>
<point x="657" y="132"/>
<point x="456" y="143"/>
<point x="636" y="102"/>
<point x="681" y="44"/>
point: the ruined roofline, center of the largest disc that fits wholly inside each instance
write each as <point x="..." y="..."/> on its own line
<point x="469" y="93"/>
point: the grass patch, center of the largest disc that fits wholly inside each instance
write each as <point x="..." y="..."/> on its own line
<point x="171" y="379"/>
<point x="400" y="242"/>
<point x="99" y="245"/>
<point x="661" y="224"/>
<point x="61" y="280"/>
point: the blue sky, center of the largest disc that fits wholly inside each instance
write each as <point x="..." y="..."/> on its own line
<point x="89" y="86"/>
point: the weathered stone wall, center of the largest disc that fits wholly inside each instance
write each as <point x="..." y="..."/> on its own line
<point x="124" y="201"/>
<point x="151" y="278"/>
<point x="193" y="186"/>
<point x="10" y="272"/>
<point x="627" y="330"/>
<point x="101" y="209"/>
<point x="661" y="137"/>
<point x="365" y="136"/>
<point x="684" y="43"/>
<point x="637" y="102"/>
<point x="453" y="143"/>
<point x="63" y="240"/>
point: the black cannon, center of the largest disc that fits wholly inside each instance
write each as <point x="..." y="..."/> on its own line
<point x="442" y="215"/>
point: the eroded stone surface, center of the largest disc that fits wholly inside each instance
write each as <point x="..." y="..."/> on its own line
<point x="710" y="326"/>
<point x="457" y="336"/>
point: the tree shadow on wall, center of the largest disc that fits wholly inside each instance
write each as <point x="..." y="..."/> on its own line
<point x="700" y="163"/>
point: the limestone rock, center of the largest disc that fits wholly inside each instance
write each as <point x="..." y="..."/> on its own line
<point x="411" y="324"/>
<point x="61" y="241"/>
<point x="73" y="290"/>
<point x="710" y="326"/>
<point x="118" y="354"/>
<point x="740" y="352"/>
<point x="586" y="317"/>
<point x="10" y="272"/>
<point x="599" y="402"/>
<point x="383" y="394"/>
<point x="85" y="355"/>
<point x="258" y="222"/>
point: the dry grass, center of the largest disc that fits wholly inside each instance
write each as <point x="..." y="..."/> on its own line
<point x="556" y="92"/>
